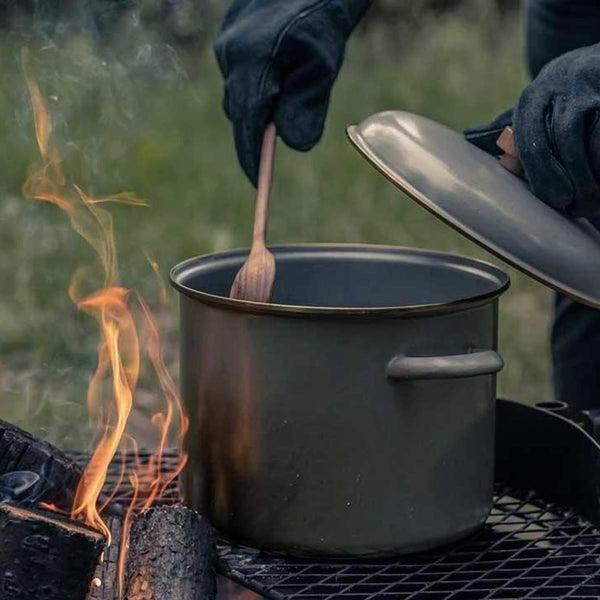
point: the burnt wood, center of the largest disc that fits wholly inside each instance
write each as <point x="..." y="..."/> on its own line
<point x="171" y="556"/>
<point x="107" y="572"/>
<point x="45" y="556"/>
<point x="59" y="475"/>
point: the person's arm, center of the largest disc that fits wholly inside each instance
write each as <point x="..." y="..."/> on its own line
<point x="557" y="133"/>
<point x="279" y="59"/>
<point x="555" y="27"/>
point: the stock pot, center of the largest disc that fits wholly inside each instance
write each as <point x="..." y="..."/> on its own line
<point x="354" y="414"/>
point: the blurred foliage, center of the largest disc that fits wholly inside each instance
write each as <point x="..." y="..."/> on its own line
<point x="409" y="16"/>
<point x="136" y="111"/>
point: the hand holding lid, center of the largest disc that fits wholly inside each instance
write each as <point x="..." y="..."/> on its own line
<point x="474" y="193"/>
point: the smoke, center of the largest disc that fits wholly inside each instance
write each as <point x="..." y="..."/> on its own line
<point x="102" y="66"/>
<point x="20" y="488"/>
<point x="99" y="59"/>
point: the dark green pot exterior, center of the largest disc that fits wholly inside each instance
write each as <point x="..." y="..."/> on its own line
<point x="309" y="434"/>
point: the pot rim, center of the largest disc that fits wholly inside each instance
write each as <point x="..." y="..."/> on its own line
<point x="179" y="271"/>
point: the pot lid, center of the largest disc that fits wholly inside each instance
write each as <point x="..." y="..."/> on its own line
<point x="469" y="189"/>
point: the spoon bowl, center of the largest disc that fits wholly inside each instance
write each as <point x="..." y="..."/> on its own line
<point x="254" y="281"/>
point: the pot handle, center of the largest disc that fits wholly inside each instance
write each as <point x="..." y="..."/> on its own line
<point x="471" y="364"/>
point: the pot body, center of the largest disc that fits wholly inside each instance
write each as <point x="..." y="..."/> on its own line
<point x="362" y="432"/>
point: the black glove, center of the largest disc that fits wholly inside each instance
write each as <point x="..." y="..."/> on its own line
<point x="556" y="124"/>
<point x="280" y="59"/>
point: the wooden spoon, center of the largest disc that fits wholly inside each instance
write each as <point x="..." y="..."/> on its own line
<point x="255" y="279"/>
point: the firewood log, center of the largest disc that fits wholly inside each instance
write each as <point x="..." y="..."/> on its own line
<point x="44" y="555"/>
<point x="59" y="475"/>
<point x="107" y="572"/>
<point x="170" y="556"/>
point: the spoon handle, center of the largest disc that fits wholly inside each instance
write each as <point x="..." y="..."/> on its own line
<point x="265" y="177"/>
<point x="510" y="159"/>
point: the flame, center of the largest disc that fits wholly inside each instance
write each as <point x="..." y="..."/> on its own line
<point x="118" y="354"/>
<point x="111" y="391"/>
<point x="161" y="284"/>
<point x="173" y="415"/>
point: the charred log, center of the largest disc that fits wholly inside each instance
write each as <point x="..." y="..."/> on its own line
<point x="43" y="555"/>
<point x="170" y="556"/>
<point x="59" y="475"/>
<point x="107" y="572"/>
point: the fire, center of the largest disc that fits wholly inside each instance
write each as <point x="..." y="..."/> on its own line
<point x="128" y="333"/>
<point x="118" y="354"/>
<point x="173" y="418"/>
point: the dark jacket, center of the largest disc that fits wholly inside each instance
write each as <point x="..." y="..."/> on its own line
<point x="554" y="27"/>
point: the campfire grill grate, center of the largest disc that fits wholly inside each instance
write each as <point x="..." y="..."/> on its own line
<point x="527" y="549"/>
<point x="121" y="491"/>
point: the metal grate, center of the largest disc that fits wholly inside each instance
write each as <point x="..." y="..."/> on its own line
<point x="528" y="549"/>
<point x="118" y="487"/>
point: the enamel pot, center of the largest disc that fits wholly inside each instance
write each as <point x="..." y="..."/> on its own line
<point x="354" y="414"/>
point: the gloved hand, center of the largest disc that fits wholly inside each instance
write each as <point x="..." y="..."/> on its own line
<point x="280" y="59"/>
<point x="557" y="133"/>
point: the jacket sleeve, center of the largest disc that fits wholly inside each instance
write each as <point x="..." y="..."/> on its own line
<point x="554" y="27"/>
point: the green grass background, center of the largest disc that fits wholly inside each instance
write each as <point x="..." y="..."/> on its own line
<point x="140" y="118"/>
